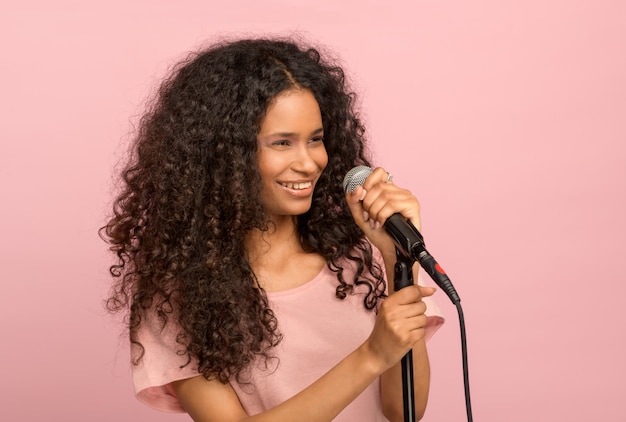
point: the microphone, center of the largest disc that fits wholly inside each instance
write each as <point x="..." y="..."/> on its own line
<point x="408" y="240"/>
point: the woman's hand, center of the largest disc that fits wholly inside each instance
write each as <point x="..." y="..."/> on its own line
<point x="401" y="320"/>
<point x="400" y="324"/>
<point x="377" y="200"/>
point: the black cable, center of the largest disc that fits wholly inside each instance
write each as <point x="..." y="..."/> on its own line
<point x="468" y="402"/>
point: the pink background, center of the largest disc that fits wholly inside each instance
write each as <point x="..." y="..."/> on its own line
<point x="506" y="118"/>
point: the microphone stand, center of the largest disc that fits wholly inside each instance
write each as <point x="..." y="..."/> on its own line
<point x="409" y="249"/>
<point x="402" y="277"/>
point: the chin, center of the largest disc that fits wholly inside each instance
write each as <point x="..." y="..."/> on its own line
<point x="294" y="211"/>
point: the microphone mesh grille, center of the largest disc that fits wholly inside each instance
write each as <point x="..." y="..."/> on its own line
<point x="355" y="177"/>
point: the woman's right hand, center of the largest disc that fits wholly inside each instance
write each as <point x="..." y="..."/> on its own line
<point x="374" y="202"/>
<point x="400" y="324"/>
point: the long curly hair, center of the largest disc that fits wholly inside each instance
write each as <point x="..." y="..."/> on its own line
<point x="190" y="192"/>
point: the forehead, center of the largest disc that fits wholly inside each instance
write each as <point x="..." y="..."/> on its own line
<point x="292" y="108"/>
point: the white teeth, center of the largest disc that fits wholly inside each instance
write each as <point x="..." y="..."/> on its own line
<point x="303" y="185"/>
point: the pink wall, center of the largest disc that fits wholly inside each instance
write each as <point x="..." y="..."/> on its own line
<point x="507" y="119"/>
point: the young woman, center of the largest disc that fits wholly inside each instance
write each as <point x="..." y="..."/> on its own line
<point x="256" y="289"/>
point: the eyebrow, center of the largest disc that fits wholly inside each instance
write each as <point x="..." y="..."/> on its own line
<point x="291" y="134"/>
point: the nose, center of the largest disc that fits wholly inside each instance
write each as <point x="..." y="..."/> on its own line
<point x="304" y="159"/>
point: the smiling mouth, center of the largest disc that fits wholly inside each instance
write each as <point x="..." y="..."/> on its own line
<point x="297" y="186"/>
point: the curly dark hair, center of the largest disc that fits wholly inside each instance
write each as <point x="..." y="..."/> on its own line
<point x="190" y="192"/>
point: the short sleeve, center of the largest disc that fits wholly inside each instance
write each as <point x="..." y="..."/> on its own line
<point x="163" y="361"/>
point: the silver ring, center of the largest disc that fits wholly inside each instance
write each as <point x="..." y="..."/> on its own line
<point x="389" y="177"/>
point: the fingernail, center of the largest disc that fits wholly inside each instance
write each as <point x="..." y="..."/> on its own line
<point x="366" y="216"/>
<point x="372" y="224"/>
<point x="363" y="193"/>
<point x="377" y="225"/>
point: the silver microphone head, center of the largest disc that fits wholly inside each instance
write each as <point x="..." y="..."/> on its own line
<point x="355" y="177"/>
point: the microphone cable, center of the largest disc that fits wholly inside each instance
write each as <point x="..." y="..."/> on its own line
<point x="410" y="246"/>
<point x="468" y="402"/>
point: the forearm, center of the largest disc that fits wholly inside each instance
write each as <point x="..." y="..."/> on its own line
<point x="329" y="395"/>
<point x="210" y="400"/>
<point x="391" y="386"/>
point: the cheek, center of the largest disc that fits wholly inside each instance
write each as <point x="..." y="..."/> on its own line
<point x="321" y="158"/>
<point x="268" y="165"/>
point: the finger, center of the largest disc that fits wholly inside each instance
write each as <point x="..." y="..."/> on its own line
<point x="385" y="205"/>
<point x="414" y="310"/>
<point x="360" y="215"/>
<point x="407" y="328"/>
<point x="417" y="334"/>
<point x="379" y="175"/>
<point x="354" y="200"/>
<point x="406" y="313"/>
<point x="404" y="296"/>
<point x="427" y="290"/>
<point x="378" y="200"/>
<point x="383" y="200"/>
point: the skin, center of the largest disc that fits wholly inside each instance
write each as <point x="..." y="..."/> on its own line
<point x="291" y="158"/>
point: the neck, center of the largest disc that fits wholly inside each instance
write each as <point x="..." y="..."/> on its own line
<point x="278" y="258"/>
<point x="278" y="243"/>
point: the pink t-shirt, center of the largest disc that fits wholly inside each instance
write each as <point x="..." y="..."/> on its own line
<point x="318" y="331"/>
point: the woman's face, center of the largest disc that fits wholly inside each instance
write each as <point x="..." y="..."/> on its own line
<point x="291" y="153"/>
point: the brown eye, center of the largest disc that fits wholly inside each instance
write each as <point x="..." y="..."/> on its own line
<point x="281" y="143"/>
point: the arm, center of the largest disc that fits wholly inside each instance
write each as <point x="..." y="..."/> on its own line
<point x="371" y="205"/>
<point x="321" y="401"/>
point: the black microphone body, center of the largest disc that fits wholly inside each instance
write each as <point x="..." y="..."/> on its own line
<point x="408" y="240"/>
